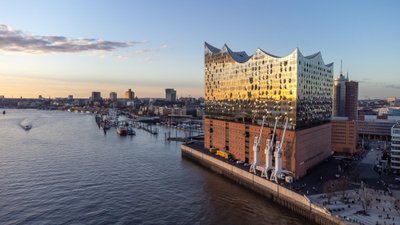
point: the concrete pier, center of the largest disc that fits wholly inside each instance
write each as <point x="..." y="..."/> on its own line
<point x="297" y="203"/>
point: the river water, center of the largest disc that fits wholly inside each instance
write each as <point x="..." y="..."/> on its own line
<point x="67" y="171"/>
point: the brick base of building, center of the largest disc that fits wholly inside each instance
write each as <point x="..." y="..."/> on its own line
<point x="302" y="149"/>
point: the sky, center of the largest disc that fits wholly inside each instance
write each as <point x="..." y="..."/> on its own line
<point x="64" y="47"/>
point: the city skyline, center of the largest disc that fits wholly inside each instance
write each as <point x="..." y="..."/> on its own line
<point x="74" y="48"/>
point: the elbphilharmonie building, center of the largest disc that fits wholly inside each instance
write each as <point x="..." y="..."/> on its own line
<point x="241" y="89"/>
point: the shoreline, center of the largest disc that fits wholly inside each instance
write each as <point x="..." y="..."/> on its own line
<point x="287" y="198"/>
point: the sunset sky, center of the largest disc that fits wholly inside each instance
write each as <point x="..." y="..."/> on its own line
<point x="58" y="48"/>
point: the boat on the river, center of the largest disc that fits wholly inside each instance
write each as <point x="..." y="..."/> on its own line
<point x="27" y="127"/>
<point x="106" y="126"/>
<point x="4" y="112"/>
<point x="122" y="131"/>
<point x="131" y="131"/>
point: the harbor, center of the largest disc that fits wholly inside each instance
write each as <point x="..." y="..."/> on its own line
<point x="73" y="175"/>
<point x="182" y="132"/>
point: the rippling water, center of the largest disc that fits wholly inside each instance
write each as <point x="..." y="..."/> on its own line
<point x="67" y="171"/>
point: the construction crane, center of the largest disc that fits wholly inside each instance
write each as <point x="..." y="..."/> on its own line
<point x="278" y="172"/>
<point x="269" y="150"/>
<point x="256" y="149"/>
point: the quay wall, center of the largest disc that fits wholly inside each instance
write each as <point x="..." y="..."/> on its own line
<point x="298" y="203"/>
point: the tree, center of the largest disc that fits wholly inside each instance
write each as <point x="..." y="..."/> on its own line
<point x="343" y="184"/>
<point x="329" y="188"/>
<point x="366" y="198"/>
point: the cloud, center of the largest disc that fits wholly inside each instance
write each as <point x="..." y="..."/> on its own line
<point x="149" y="50"/>
<point x="18" y="41"/>
<point x="392" y="86"/>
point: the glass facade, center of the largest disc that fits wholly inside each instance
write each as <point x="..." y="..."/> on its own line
<point x="245" y="88"/>
<point x="395" y="148"/>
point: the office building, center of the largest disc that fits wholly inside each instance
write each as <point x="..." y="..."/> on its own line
<point x="113" y="96"/>
<point x="345" y="98"/>
<point x="393" y="101"/>
<point x="351" y="104"/>
<point x="96" y="96"/>
<point x="339" y="96"/>
<point x="170" y="95"/>
<point x="374" y="129"/>
<point x="344" y="136"/>
<point x="129" y="94"/>
<point x="240" y="90"/>
<point x="395" y="149"/>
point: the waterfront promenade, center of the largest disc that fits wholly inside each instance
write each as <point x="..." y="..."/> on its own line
<point x="346" y="207"/>
<point x="279" y="194"/>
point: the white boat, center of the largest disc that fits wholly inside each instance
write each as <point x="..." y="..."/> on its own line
<point x="27" y="127"/>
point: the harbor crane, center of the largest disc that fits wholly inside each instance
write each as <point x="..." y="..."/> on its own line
<point x="269" y="150"/>
<point x="256" y="149"/>
<point x="278" y="172"/>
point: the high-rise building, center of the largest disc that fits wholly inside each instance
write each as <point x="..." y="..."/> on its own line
<point x="351" y="106"/>
<point x="129" y="94"/>
<point x="240" y="90"/>
<point x="96" y="96"/>
<point x="345" y="98"/>
<point x="113" y="96"/>
<point x="339" y="96"/>
<point x="395" y="149"/>
<point x="70" y="97"/>
<point x="170" y="94"/>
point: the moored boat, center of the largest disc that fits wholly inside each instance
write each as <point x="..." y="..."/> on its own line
<point x="122" y="131"/>
<point x="131" y="131"/>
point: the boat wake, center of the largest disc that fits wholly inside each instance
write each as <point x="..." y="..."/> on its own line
<point x="26" y="124"/>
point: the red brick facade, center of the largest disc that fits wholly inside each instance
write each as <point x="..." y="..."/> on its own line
<point x="344" y="136"/>
<point x="301" y="149"/>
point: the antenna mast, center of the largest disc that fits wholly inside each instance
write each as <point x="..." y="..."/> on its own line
<point x="341" y="67"/>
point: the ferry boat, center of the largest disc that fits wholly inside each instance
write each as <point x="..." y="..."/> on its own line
<point x="121" y="131"/>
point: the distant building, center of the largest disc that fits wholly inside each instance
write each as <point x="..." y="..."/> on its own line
<point x="393" y="101"/>
<point x="395" y="149"/>
<point x="344" y="135"/>
<point x="389" y="111"/>
<point x="96" y="96"/>
<point x="129" y="94"/>
<point x="40" y="97"/>
<point x="375" y="129"/>
<point x="113" y="96"/>
<point x="170" y="95"/>
<point x="70" y="97"/>
<point x="345" y="98"/>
